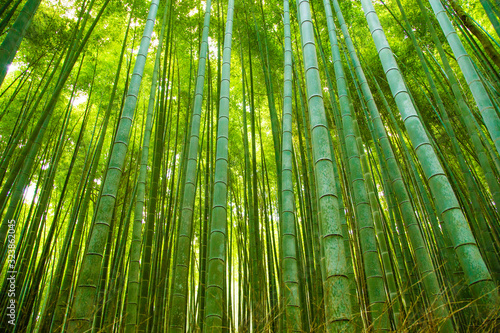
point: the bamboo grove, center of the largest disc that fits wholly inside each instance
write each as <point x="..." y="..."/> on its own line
<point x="244" y="166"/>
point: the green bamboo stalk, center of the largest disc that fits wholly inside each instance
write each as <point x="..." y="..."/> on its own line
<point x="335" y="280"/>
<point x="177" y="317"/>
<point x="478" y="276"/>
<point x="424" y="262"/>
<point x="151" y="215"/>
<point x="372" y="266"/>
<point x="204" y="222"/>
<point x="483" y="102"/>
<point x="491" y="16"/>
<point x="56" y="280"/>
<point x="84" y="300"/>
<point x="27" y="304"/>
<point x="79" y="217"/>
<point x="318" y="299"/>
<point x="216" y="272"/>
<point x="132" y="304"/>
<point x="256" y="287"/>
<point x="6" y="19"/>
<point x="471" y="184"/>
<point x="10" y="44"/>
<point x="288" y="229"/>
<point x="38" y="131"/>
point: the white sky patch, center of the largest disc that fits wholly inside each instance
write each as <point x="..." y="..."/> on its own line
<point x="14" y="67"/>
<point x="212" y="48"/>
<point x="135" y="23"/>
<point x="154" y="40"/>
<point x="134" y="51"/>
<point x="193" y="12"/>
<point x="169" y="172"/>
<point x="80" y="99"/>
<point x="29" y="193"/>
<point x="70" y="12"/>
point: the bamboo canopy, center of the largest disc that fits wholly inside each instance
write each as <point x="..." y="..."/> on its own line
<point x="249" y="166"/>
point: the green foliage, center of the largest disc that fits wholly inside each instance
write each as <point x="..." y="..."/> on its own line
<point x="331" y="210"/>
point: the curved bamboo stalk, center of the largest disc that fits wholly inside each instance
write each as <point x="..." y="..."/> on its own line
<point x="484" y="104"/>
<point x="447" y="206"/>
<point x="132" y="305"/>
<point x="85" y="294"/>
